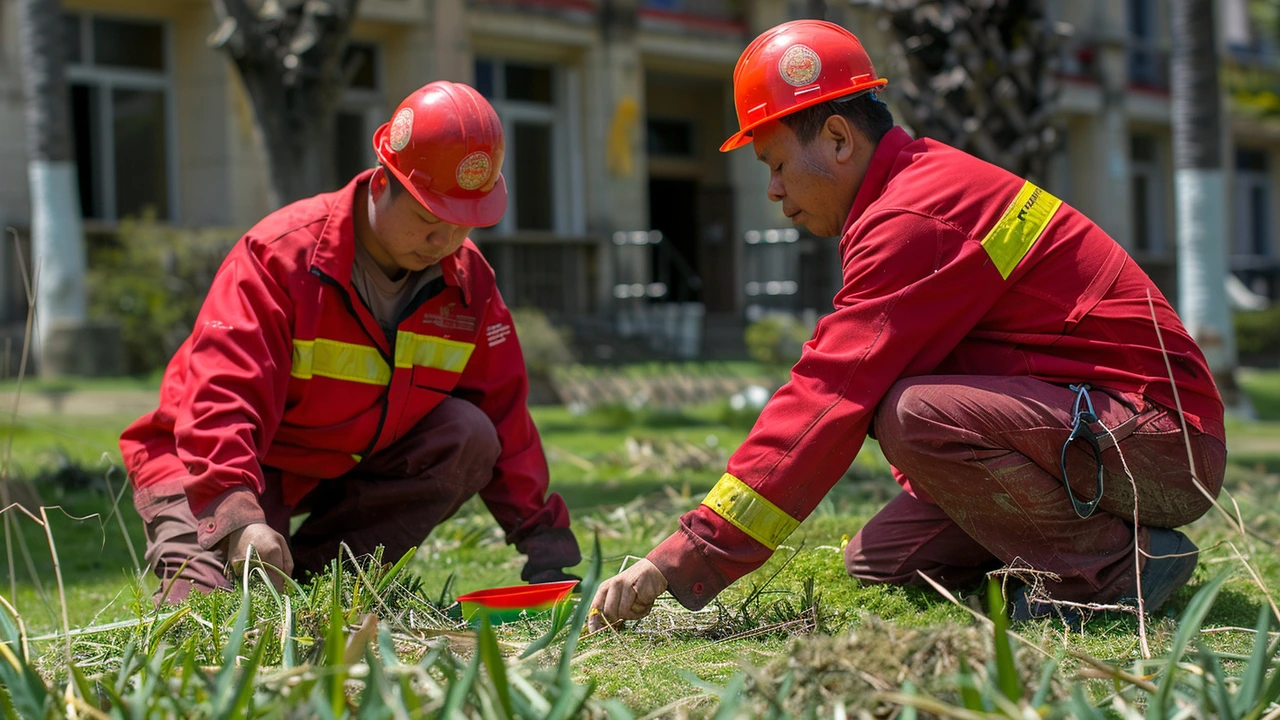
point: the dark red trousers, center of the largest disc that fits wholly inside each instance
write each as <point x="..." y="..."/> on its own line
<point x="982" y="456"/>
<point x="393" y="498"/>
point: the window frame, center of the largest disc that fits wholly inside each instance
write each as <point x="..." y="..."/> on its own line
<point x="108" y="79"/>
<point x="1244" y="182"/>
<point x="1157" y="202"/>
<point x="370" y="104"/>
<point x="568" y="213"/>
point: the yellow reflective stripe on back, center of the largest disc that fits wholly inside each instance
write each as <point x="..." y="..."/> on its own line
<point x="1018" y="229"/>
<point x="432" y="352"/>
<point x="748" y="511"/>
<point x="339" y="360"/>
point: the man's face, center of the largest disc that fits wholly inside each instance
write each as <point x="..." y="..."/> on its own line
<point x="805" y="178"/>
<point x="408" y="235"/>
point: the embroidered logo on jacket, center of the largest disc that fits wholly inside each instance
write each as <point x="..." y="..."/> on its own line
<point x="497" y="333"/>
<point x="449" y="319"/>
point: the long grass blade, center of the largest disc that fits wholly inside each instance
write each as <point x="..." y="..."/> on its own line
<point x="385" y="581"/>
<point x="1006" y="672"/>
<point x="491" y="656"/>
<point x="1188" y="627"/>
<point x="1254" y="672"/>
<point x="560" y="616"/>
<point x="566" y="702"/>
<point x="460" y="688"/>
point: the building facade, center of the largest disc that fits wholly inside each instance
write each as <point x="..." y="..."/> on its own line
<point x="625" y="221"/>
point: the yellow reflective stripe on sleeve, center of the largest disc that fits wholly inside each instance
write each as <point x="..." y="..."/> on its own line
<point x="432" y="352"/>
<point x="339" y="360"/>
<point x="1018" y="229"/>
<point x="748" y="511"/>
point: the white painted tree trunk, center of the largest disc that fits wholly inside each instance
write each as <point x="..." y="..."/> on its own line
<point x="1200" y="189"/>
<point x="57" y="232"/>
<point x="1202" y="264"/>
<point x="57" y="242"/>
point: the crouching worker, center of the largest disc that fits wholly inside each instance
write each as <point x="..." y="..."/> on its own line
<point x="353" y="361"/>
<point x="995" y="341"/>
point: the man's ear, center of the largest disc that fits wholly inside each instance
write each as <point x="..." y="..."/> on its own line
<point x="378" y="183"/>
<point x="842" y="135"/>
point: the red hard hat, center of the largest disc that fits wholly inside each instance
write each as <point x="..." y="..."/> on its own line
<point x="444" y="144"/>
<point x="793" y="66"/>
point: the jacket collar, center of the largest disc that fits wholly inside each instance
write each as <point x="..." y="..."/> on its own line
<point x="882" y="161"/>
<point x="336" y="247"/>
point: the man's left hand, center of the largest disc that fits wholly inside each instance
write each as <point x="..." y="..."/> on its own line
<point x="627" y="596"/>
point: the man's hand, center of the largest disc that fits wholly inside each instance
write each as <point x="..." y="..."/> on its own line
<point x="269" y="545"/>
<point x="628" y="596"/>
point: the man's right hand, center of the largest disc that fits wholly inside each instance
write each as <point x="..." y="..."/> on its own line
<point x="628" y="596"/>
<point x="269" y="545"/>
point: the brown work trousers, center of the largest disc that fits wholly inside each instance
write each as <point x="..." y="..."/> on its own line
<point x="987" y="451"/>
<point x="393" y="498"/>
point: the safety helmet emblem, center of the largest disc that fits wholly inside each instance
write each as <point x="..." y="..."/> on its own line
<point x="473" y="171"/>
<point x="799" y="65"/>
<point x="401" y="129"/>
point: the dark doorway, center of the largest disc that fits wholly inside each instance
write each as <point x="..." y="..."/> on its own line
<point x="673" y="210"/>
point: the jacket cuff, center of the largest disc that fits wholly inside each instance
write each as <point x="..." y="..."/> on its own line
<point x="227" y="513"/>
<point x="691" y="578"/>
<point x="549" y="549"/>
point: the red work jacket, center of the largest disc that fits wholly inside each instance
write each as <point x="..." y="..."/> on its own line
<point x="950" y="266"/>
<point x="287" y="368"/>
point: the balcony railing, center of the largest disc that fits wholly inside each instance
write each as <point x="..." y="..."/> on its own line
<point x="711" y="14"/>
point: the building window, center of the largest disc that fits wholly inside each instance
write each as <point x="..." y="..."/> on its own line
<point x="534" y="104"/>
<point x="1147" y="195"/>
<point x="121" y="115"/>
<point x="1253" y="203"/>
<point x="361" y="112"/>
<point x="1147" y="61"/>
<point x="670" y="138"/>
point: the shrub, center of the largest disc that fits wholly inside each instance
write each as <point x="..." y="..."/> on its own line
<point x="1258" y="336"/>
<point x="152" y="278"/>
<point x="545" y="345"/>
<point x="777" y="339"/>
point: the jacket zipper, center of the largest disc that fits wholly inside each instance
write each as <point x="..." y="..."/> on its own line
<point x="386" y="396"/>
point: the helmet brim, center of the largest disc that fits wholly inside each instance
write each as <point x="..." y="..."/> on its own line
<point x="744" y="136"/>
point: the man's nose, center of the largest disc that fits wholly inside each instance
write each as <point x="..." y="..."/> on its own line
<point x="442" y="236"/>
<point x="776" y="192"/>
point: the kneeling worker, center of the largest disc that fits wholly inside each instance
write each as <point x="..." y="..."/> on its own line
<point x="353" y="360"/>
<point x="992" y="338"/>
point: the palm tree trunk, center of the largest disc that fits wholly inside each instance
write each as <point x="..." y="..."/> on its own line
<point x="57" y="231"/>
<point x="1200" y="188"/>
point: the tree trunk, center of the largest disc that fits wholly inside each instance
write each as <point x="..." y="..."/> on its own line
<point x="57" y="231"/>
<point x="1200" y="187"/>
<point x="980" y="75"/>
<point x="289" y="54"/>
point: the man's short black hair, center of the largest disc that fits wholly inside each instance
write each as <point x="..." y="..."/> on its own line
<point x="864" y="111"/>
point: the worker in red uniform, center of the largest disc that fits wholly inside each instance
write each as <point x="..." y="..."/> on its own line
<point x="353" y="360"/>
<point x="994" y="340"/>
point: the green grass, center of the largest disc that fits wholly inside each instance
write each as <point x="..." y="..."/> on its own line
<point x="630" y="512"/>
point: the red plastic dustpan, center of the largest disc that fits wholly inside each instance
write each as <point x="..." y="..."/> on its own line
<point x="507" y="603"/>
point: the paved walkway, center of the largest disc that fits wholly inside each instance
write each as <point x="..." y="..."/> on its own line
<point x="82" y="403"/>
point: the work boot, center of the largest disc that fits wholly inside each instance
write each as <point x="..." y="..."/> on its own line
<point x="1024" y="610"/>
<point x="1172" y="559"/>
